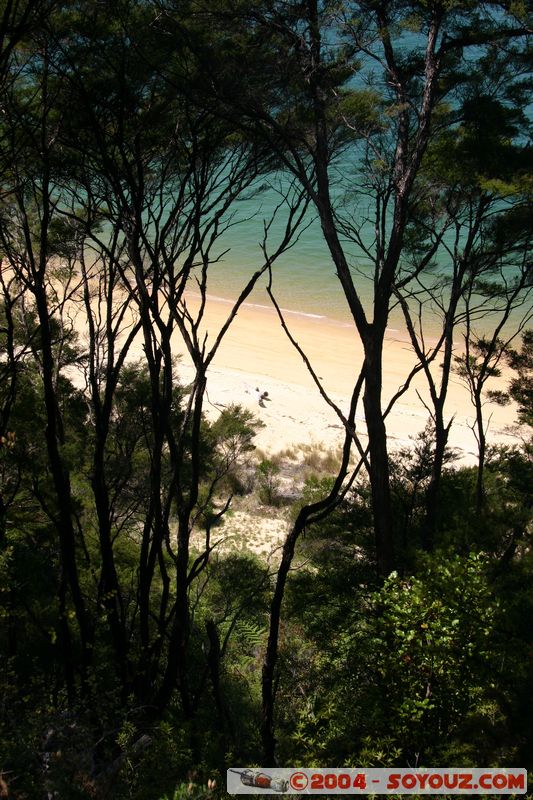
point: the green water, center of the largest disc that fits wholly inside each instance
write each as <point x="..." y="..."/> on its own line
<point x="304" y="277"/>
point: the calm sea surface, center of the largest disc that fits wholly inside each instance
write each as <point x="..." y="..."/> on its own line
<point x="304" y="277"/>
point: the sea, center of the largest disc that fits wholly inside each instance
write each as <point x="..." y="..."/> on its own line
<point x="304" y="279"/>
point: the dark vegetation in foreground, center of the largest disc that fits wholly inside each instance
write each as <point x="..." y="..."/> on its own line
<point x="431" y="666"/>
<point x="139" y="659"/>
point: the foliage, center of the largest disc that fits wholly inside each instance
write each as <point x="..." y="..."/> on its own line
<point x="410" y="672"/>
<point x="433" y="639"/>
<point x="136" y="651"/>
<point x="267" y="478"/>
<point x="521" y="386"/>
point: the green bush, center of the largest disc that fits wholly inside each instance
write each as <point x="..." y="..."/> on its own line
<point x="268" y="481"/>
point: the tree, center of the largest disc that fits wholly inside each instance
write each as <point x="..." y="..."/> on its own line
<point x="373" y="85"/>
<point x="17" y="20"/>
<point x="316" y="118"/>
<point x="117" y="191"/>
<point x="484" y="353"/>
<point x="520" y="389"/>
<point x="126" y="138"/>
<point x="477" y="224"/>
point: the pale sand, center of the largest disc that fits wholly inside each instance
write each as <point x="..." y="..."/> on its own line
<point x="256" y="353"/>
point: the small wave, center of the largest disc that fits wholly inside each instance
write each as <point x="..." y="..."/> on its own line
<point x="214" y="297"/>
<point x="257" y="305"/>
<point x="340" y="323"/>
<point x="287" y="311"/>
<point x="304" y="314"/>
<point x="229" y="301"/>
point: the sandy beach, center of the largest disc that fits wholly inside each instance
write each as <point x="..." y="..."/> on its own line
<point x="256" y="354"/>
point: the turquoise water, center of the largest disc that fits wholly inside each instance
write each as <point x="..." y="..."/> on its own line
<point x="304" y="277"/>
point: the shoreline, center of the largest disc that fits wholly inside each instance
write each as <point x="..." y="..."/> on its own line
<point x="256" y="354"/>
<point x="394" y="328"/>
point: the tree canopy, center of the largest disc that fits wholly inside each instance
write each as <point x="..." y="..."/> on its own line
<point x="139" y="655"/>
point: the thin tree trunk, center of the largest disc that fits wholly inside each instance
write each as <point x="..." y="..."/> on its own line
<point x="482" y="449"/>
<point x="61" y="481"/>
<point x="379" y="459"/>
<point x="432" y="517"/>
<point x="308" y="514"/>
<point x="271" y="655"/>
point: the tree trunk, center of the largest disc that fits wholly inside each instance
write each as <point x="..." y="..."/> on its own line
<point x="379" y="459"/>
<point x="311" y="513"/>
<point x="61" y="481"/>
<point x="271" y="655"/>
<point x="482" y="448"/>
<point x="110" y="589"/>
<point x="431" y="520"/>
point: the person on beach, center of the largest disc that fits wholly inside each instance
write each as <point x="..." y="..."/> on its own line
<point x="261" y="397"/>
